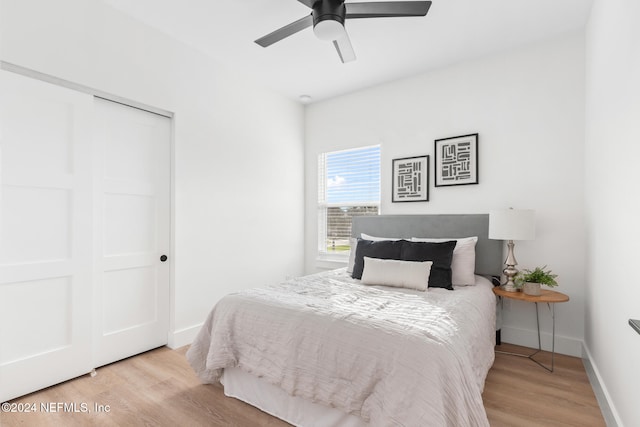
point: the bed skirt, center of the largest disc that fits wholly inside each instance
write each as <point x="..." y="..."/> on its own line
<point x="275" y="401"/>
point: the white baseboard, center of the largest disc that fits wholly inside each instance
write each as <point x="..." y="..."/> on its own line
<point x="529" y="338"/>
<point x="183" y="337"/>
<point x="607" y="407"/>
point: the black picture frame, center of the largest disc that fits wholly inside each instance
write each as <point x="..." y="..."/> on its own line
<point x="410" y="179"/>
<point x="456" y="160"/>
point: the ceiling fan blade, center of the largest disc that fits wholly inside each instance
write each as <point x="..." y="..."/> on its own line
<point x="344" y="48"/>
<point x="308" y="3"/>
<point x="387" y="9"/>
<point x="285" y="31"/>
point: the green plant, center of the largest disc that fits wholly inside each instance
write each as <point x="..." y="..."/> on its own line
<point x="537" y="275"/>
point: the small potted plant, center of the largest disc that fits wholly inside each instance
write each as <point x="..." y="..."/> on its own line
<point x="530" y="280"/>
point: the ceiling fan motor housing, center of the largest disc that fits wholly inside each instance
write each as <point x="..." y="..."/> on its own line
<point x="331" y="11"/>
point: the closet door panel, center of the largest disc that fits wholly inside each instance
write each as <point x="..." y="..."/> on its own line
<point x="131" y="299"/>
<point x="129" y="223"/>
<point x="133" y="205"/>
<point x="45" y="234"/>
<point x="45" y="298"/>
<point x="36" y="224"/>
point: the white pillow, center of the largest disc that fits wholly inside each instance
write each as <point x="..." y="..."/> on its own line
<point x="463" y="264"/>
<point x="378" y="239"/>
<point x="353" y="243"/>
<point x="400" y="274"/>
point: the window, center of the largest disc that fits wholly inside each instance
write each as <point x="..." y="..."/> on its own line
<point x="348" y="186"/>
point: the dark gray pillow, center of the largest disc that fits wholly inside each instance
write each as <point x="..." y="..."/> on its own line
<point x="440" y="254"/>
<point x="385" y="249"/>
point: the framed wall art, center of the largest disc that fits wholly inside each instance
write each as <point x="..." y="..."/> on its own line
<point x="456" y="160"/>
<point x="410" y="179"/>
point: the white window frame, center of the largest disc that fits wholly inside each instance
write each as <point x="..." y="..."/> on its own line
<point x="324" y="255"/>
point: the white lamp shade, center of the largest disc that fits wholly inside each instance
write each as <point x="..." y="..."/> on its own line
<point x="512" y="224"/>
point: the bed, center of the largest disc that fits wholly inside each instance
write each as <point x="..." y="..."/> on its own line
<point x="328" y="350"/>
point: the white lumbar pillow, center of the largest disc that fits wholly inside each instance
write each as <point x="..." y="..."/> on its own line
<point x="397" y="273"/>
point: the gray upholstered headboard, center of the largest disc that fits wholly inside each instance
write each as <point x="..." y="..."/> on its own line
<point x="488" y="252"/>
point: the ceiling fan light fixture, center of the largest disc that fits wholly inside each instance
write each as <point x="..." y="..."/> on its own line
<point x="328" y="19"/>
<point x="328" y="29"/>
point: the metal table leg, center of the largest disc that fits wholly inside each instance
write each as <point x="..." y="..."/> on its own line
<point x="552" y="308"/>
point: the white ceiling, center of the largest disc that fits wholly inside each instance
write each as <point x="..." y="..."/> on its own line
<point x="386" y="48"/>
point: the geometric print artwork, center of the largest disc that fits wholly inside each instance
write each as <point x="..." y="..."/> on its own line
<point x="411" y="179"/>
<point x="456" y="160"/>
<point x="409" y="184"/>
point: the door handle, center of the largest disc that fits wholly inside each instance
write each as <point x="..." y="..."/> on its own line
<point x="163" y="258"/>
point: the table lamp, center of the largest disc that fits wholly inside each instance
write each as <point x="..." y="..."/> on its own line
<point x="510" y="225"/>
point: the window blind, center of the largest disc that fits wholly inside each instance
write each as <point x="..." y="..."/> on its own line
<point x="348" y="186"/>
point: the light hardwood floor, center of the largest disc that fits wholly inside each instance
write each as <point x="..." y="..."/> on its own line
<point x="158" y="388"/>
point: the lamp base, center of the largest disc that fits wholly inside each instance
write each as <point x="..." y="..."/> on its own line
<point x="509" y="287"/>
<point x="510" y="271"/>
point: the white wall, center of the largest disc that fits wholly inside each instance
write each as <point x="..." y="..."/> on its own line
<point x="612" y="179"/>
<point x="528" y="108"/>
<point x="238" y="162"/>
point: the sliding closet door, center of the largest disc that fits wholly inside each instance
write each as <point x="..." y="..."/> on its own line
<point x="45" y="235"/>
<point x="132" y="207"/>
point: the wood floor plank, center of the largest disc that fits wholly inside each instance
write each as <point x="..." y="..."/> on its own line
<point x="159" y="388"/>
<point x="520" y="393"/>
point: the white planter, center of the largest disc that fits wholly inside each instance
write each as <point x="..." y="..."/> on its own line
<point x="531" y="288"/>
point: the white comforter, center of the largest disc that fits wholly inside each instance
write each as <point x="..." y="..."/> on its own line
<point x="390" y="357"/>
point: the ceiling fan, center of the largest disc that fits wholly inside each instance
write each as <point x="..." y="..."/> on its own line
<point x="328" y="17"/>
